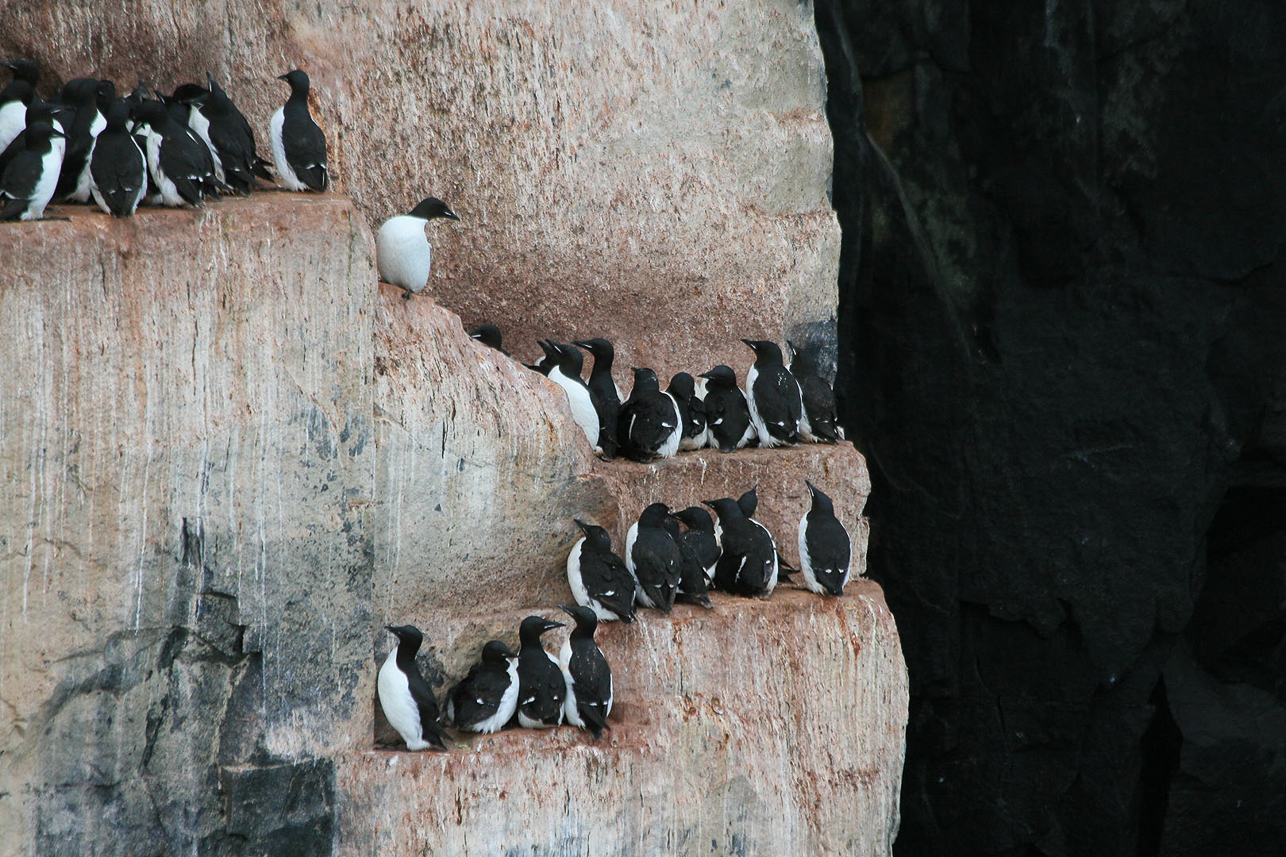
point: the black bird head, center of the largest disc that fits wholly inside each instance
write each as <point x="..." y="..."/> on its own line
<point x="117" y="114"/>
<point x="765" y="351"/>
<point x="105" y="94"/>
<point x="682" y="386"/>
<point x="19" y="90"/>
<point x="645" y="381"/>
<point x="298" y="81"/>
<point x="654" y="515"/>
<point x="41" y="112"/>
<point x="496" y="652"/>
<point x="721" y="376"/>
<point x="821" y="503"/>
<point x="725" y="507"/>
<point x="408" y="636"/>
<point x="599" y="347"/>
<point x="696" y="518"/>
<point x="586" y="620"/>
<point x="532" y="627"/>
<point x="38" y="134"/>
<point x="152" y="112"/>
<point x="23" y="69"/>
<point x="597" y="537"/>
<point x="487" y="334"/>
<point x="803" y="362"/>
<point x="431" y="207"/>
<point x="749" y="502"/>
<point x="190" y="94"/>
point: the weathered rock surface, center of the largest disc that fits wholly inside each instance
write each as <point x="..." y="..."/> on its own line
<point x="757" y="727"/>
<point x="655" y="170"/>
<point x="1062" y="298"/>
<point x="233" y="460"/>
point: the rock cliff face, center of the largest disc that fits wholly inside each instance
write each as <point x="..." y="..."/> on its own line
<point x="657" y="167"/>
<point x="1062" y="288"/>
<point x="231" y="458"/>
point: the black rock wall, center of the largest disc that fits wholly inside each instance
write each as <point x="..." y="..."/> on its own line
<point x="1063" y="349"/>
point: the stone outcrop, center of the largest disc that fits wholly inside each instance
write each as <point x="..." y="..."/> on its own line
<point x="233" y="459"/>
<point x="656" y="168"/>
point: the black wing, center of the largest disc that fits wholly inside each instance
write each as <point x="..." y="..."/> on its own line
<point x="593" y="681"/>
<point x="430" y="719"/>
<point x="305" y="146"/>
<point x="604" y="573"/>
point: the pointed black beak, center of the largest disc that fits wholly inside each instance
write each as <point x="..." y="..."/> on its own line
<point x="584" y="526"/>
<point x="285" y="77"/>
<point x="451" y="214"/>
<point x="751" y="343"/>
<point x="549" y="624"/>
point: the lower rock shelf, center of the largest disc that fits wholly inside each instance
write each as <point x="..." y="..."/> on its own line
<point x="760" y="726"/>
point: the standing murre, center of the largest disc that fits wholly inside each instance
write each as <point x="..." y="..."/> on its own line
<point x="727" y="414"/>
<point x="825" y="549"/>
<point x="402" y="252"/>
<point x="748" y="564"/>
<point x="117" y="167"/>
<point x="587" y="675"/>
<point x="177" y="162"/>
<point x="598" y="578"/>
<point x="90" y="99"/>
<point x="604" y="388"/>
<point x="692" y="411"/>
<point x="541" y="686"/>
<point x="405" y="696"/>
<point x="566" y="373"/>
<point x="14" y="100"/>
<point x="298" y="144"/>
<point x="649" y="425"/>
<point x="819" y="423"/>
<point x="702" y="534"/>
<point x="692" y="574"/>
<point x="30" y="178"/>
<point x="773" y="396"/>
<point x="653" y="558"/>
<point x="232" y="138"/>
<point x="486" y="699"/>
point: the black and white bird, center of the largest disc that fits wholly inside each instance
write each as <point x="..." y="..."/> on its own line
<point x="178" y="163"/>
<point x="773" y="396"/>
<point x="548" y="361"/>
<point x="607" y="395"/>
<point x="117" y="167"/>
<point x="824" y="546"/>
<point x="653" y="558"/>
<point x="702" y="534"/>
<point x="748" y="564"/>
<point x="29" y="180"/>
<point x="819" y="423"/>
<point x="90" y="98"/>
<point x="230" y="135"/>
<point x="692" y="411"/>
<point x="405" y="696"/>
<point x="16" y="98"/>
<point x="586" y="673"/>
<point x="598" y="577"/>
<point x="649" y="426"/>
<point x="486" y="699"/>
<point x="566" y="374"/>
<point x="188" y="100"/>
<point x="541" y="687"/>
<point x="727" y="413"/>
<point x="693" y="582"/>
<point x="298" y="144"/>
<point x="490" y="336"/>
<point x="402" y="251"/>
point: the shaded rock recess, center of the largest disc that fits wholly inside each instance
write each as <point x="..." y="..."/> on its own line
<point x="1062" y="298"/>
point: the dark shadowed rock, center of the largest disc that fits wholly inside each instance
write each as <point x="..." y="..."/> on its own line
<point x="1062" y="291"/>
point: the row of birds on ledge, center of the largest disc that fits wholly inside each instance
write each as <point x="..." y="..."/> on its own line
<point x="662" y="564"/>
<point x="781" y="405"/>
<point x="173" y="150"/>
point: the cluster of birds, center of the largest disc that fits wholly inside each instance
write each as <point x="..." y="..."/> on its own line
<point x="530" y="688"/>
<point x="663" y="564"/>
<point x="781" y="405"/>
<point x="175" y="150"/>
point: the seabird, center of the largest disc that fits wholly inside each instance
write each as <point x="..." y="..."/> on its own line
<point x="653" y="558"/>
<point x="405" y="696"/>
<point x="402" y="252"/>
<point x="541" y="686"/>
<point x="824" y="546"/>
<point x="727" y="414"/>
<point x="773" y="396"/>
<point x="586" y="674"/>
<point x="598" y="577"/>
<point x="486" y="699"/>
<point x="298" y="144"/>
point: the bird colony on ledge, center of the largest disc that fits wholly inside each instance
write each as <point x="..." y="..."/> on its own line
<point x="146" y="148"/>
<point x="669" y="557"/>
<point x="194" y="144"/>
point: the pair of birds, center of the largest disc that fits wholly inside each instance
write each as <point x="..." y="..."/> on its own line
<point x="170" y="150"/>
<point x="779" y="406"/>
<point x="664" y="565"/>
<point x="530" y="687"/>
